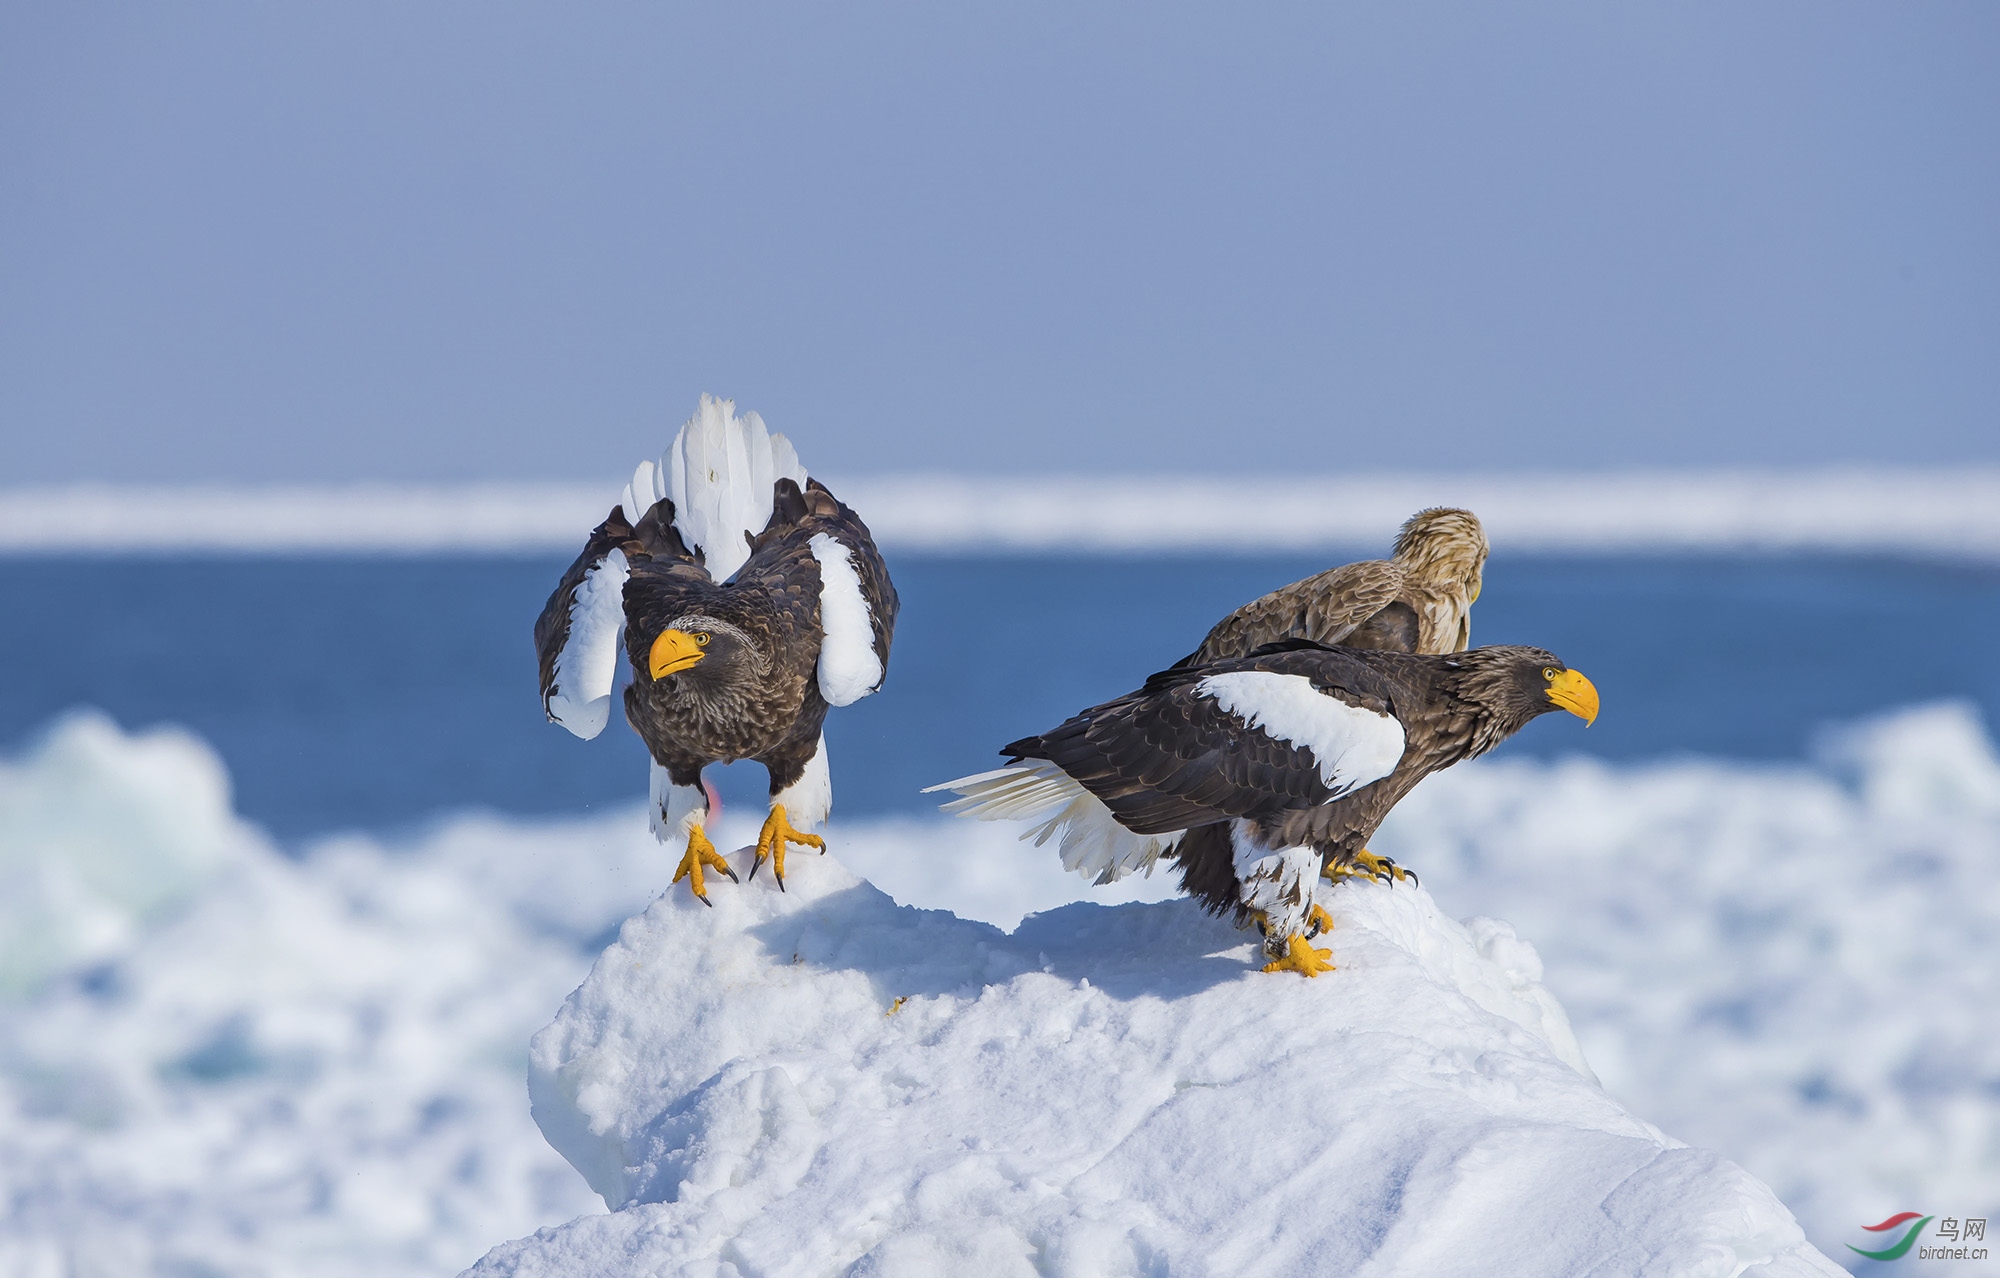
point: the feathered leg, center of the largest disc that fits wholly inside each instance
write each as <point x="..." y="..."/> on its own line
<point x="1277" y="885"/>
<point x="682" y="810"/>
<point x="805" y="801"/>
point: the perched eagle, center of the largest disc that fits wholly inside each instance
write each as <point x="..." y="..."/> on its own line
<point x="1417" y="600"/>
<point x="1258" y="773"/>
<point x="749" y="599"/>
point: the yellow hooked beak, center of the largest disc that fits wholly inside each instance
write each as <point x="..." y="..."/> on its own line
<point x="673" y="651"/>
<point x="1576" y="694"/>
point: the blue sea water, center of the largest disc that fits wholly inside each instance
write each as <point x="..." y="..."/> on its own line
<point x="375" y="692"/>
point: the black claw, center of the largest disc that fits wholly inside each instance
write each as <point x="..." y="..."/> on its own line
<point x="779" y="877"/>
<point x="756" y="864"/>
<point x="703" y="898"/>
<point x="1414" y="880"/>
<point x="731" y="873"/>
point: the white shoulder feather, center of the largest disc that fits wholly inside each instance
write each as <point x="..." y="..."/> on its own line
<point x="588" y="663"/>
<point x="1351" y="746"/>
<point x="849" y="667"/>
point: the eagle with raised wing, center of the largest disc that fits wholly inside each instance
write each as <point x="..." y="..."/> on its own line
<point x="1259" y="774"/>
<point x="749" y="600"/>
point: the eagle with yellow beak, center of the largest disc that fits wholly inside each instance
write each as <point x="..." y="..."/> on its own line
<point x="1260" y="774"/>
<point x="1419" y="599"/>
<point x="749" y="600"/>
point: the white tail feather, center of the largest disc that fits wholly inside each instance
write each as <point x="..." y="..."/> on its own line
<point x="719" y="471"/>
<point x="1093" y="843"/>
<point x="638" y="497"/>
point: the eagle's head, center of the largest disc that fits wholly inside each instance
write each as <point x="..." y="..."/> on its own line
<point x="1514" y="684"/>
<point x="699" y="655"/>
<point x="1445" y="546"/>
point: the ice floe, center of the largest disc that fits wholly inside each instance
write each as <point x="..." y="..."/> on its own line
<point x="219" y="1058"/>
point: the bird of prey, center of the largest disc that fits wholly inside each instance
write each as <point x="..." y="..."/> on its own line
<point x="1257" y="773"/>
<point x="1417" y="600"/>
<point x="749" y="600"/>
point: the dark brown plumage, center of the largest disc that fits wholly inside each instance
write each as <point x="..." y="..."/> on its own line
<point x="1259" y="773"/>
<point x="743" y="668"/>
<point x="755" y="694"/>
<point x="1417" y="600"/>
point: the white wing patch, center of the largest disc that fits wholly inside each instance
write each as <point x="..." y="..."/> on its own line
<point x="1352" y="746"/>
<point x="588" y="662"/>
<point x="849" y="668"/>
<point x="1093" y="843"/>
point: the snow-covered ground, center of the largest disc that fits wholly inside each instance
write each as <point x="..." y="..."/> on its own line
<point x="217" y="1059"/>
<point x="822" y="1082"/>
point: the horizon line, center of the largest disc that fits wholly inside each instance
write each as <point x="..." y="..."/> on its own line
<point x="1927" y="511"/>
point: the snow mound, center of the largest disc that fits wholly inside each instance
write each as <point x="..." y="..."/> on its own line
<point x="823" y="1082"/>
<point x="100" y="834"/>
<point x="1786" y="962"/>
<point x="218" y="1060"/>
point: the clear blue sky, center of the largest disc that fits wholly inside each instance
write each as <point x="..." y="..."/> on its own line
<point x="457" y="240"/>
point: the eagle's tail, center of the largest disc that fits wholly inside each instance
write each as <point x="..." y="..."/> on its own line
<point x="1093" y="843"/>
<point x="718" y="471"/>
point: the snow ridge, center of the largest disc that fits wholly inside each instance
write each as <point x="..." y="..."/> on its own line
<point x="821" y="1082"/>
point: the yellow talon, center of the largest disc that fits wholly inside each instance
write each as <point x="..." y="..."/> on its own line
<point x="771" y="842"/>
<point x="700" y="852"/>
<point x="1367" y="865"/>
<point x="1302" y="958"/>
<point x="1318" y="920"/>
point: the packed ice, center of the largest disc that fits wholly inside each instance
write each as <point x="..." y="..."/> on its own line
<point x="218" y="1057"/>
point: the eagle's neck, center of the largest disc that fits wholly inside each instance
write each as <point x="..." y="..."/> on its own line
<point x="1481" y="689"/>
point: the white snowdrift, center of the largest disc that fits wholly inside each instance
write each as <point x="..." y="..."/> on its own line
<point x="1796" y="965"/>
<point x="822" y="1082"/>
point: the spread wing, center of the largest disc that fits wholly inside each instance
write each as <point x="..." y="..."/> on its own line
<point x="816" y="549"/>
<point x="1246" y="738"/>
<point x="1327" y="607"/>
<point x="578" y="634"/>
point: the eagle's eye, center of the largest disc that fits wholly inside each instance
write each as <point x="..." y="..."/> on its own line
<point x="701" y="641"/>
<point x="1548" y="672"/>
